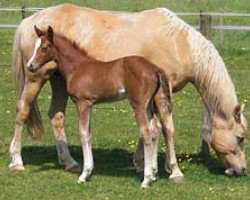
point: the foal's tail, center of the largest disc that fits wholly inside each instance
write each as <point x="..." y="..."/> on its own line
<point x="33" y="122"/>
<point x="164" y="92"/>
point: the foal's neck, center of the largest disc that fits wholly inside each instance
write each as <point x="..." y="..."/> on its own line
<point x="68" y="55"/>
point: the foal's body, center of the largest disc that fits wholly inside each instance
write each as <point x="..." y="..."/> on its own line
<point x="119" y="80"/>
<point x="90" y="81"/>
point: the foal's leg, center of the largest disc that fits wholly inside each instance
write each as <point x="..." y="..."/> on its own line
<point x="206" y="133"/>
<point x="155" y="130"/>
<point x="30" y="92"/>
<point x="57" y="116"/>
<point x="171" y="164"/>
<point x="143" y="122"/>
<point x="84" y="108"/>
<point x="138" y="159"/>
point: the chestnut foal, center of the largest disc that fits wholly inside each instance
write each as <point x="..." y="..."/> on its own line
<point x="90" y="81"/>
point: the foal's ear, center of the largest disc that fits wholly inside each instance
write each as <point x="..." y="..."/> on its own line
<point x="38" y="31"/>
<point x="50" y="33"/>
<point x="238" y="110"/>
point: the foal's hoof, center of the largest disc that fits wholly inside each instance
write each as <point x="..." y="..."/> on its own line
<point x="145" y="185"/>
<point x="154" y="178"/>
<point x="75" y="169"/>
<point x="16" y="167"/>
<point x="147" y="181"/>
<point x="81" y="181"/>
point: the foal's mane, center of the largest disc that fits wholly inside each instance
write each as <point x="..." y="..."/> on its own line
<point x="74" y="45"/>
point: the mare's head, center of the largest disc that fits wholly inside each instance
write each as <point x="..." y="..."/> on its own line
<point x="44" y="50"/>
<point x="227" y="139"/>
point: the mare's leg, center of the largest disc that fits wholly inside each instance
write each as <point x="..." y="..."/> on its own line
<point x="206" y="133"/>
<point x="165" y="113"/>
<point x="30" y="92"/>
<point x="57" y="116"/>
<point x="143" y="119"/>
<point x="84" y="108"/>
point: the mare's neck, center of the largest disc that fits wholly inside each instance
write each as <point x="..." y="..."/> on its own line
<point x="68" y="55"/>
<point x="216" y="89"/>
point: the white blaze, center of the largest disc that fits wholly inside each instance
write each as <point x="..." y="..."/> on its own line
<point x="37" y="45"/>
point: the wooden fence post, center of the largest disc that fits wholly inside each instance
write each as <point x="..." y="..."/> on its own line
<point x="23" y="12"/>
<point x="205" y="25"/>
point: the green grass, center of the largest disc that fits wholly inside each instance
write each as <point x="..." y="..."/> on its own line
<point x="114" y="130"/>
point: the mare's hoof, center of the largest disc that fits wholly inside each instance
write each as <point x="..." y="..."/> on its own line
<point x="177" y="179"/>
<point x="75" y="169"/>
<point x="17" y="167"/>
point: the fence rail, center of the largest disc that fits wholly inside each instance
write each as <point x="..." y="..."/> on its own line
<point x="12" y="26"/>
<point x="215" y="14"/>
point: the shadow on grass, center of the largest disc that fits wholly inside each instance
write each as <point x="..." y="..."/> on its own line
<point x="209" y="162"/>
<point x="109" y="162"/>
<point x="113" y="162"/>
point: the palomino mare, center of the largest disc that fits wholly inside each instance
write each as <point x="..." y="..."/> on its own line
<point x="90" y="81"/>
<point x="159" y="36"/>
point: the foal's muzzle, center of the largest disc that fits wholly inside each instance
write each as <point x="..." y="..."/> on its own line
<point x="32" y="68"/>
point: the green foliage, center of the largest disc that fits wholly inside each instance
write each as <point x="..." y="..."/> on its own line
<point x="114" y="131"/>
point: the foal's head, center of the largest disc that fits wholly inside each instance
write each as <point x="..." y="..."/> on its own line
<point x="44" y="50"/>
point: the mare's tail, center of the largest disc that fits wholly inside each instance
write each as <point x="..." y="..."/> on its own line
<point x="33" y="122"/>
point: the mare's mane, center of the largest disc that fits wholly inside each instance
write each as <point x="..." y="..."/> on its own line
<point x="211" y="77"/>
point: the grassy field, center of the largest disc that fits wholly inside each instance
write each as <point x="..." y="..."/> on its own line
<point x="114" y="130"/>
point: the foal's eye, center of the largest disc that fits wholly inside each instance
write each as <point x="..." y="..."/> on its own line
<point x="240" y="139"/>
<point x="44" y="50"/>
